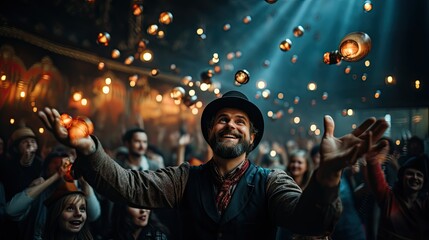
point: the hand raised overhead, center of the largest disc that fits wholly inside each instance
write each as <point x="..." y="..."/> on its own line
<point x="337" y="153"/>
<point x="51" y="119"/>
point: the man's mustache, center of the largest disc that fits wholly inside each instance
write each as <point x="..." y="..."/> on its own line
<point x="228" y="132"/>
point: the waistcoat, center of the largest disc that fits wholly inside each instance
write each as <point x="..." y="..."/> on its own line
<point x="246" y="216"/>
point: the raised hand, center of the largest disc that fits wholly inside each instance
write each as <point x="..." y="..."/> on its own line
<point x="51" y="119"/>
<point x="337" y="153"/>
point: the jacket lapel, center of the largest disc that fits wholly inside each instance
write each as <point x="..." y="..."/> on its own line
<point x="208" y="195"/>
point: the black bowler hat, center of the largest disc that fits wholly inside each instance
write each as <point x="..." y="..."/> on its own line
<point x="234" y="99"/>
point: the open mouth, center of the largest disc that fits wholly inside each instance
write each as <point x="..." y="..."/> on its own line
<point x="76" y="223"/>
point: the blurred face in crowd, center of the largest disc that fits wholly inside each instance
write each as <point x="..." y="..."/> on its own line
<point x="138" y="144"/>
<point x="230" y="135"/>
<point x="413" y="180"/>
<point x="73" y="216"/>
<point x="56" y="163"/>
<point x="139" y="216"/>
<point x="297" y="166"/>
<point x="27" y="147"/>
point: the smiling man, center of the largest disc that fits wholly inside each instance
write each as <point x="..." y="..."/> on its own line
<point x="229" y="197"/>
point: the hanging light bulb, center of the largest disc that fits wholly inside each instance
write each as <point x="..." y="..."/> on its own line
<point x="285" y="45"/>
<point x="137" y="9"/>
<point x="165" y="18"/>
<point x="367" y="6"/>
<point x="333" y="57"/>
<point x="242" y="76"/>
<point x="355" y="46"/>
<point x="298" y="31"/>
<point x="103" y="38"/>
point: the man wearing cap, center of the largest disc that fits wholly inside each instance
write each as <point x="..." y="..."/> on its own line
<point x="18" y="169"/>
<point x="22" y="164"/>
<point x="229" y="197"/>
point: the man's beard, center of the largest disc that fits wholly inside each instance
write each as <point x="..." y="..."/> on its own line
<point x="227" y="151"/>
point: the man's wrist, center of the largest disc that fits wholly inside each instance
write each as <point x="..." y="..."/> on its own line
<point x="328" y="178"/>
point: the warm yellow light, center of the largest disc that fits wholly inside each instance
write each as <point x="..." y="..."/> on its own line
<point x="350" y="112"/>
<point x="270" y="113"/>
<point x="34" y="109"/>
<point x="12" y="121"/>
<point x="367" y="6"/>
<point x="194" y="111"/>
<point x="417" y="84"/>
<point x="165" y="18"/>
<point x="377" y="94"/>
<point x="389" y="80"/>
<point x="146" y="56"/>
<point x="317" y="132"/>
<point x="101" y="65"/>
<point x="296" y="120"/>
<point x="354" y="126"/>
<point x="161" y="34"/>
<point x="261" y="84"/>
<point x="280" y="96"/>
<point x="312" y="86"/>
<point x="22" y="94"/>
<point x="398" y="142"/>
<point x="191" y="92"/>
<point x="132" y="83"/>
<point x="105" y="89"/>
<point x="158" y="98"/>
<point x="200" y="31"/>
<point x="3" y="77"/>
<point x="204" y="87"/>
<point x="154" y="72"/>
<point x="77" y="96"/>
<point x="266" y="93"/>
<point x="313" y="127"/>
<point x="199" y="104"/>
<point x="367" y="63"/>
<point x="84" y="102"/>
<point x="41" y="130"/>
<point x="129" y="60"/>
<point x="273" y="153"/>
<point x="108" y="81"/>
<point x="116" y="53"/>
<point x="152" y="29"/>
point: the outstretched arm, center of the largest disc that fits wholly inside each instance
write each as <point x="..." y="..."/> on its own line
<point x="149" y="189"/>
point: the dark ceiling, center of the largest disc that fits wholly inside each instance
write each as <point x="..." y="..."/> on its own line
<point x="398" y="30"/>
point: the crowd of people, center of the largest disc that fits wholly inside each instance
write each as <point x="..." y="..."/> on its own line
<point x="358" y="186"/>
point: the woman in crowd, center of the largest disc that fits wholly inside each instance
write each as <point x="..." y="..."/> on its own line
<point x="405" y="207"/>
<point x="132" y="223"/>
<point x="66" y="215"/>
<point x="299" y="167"/>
